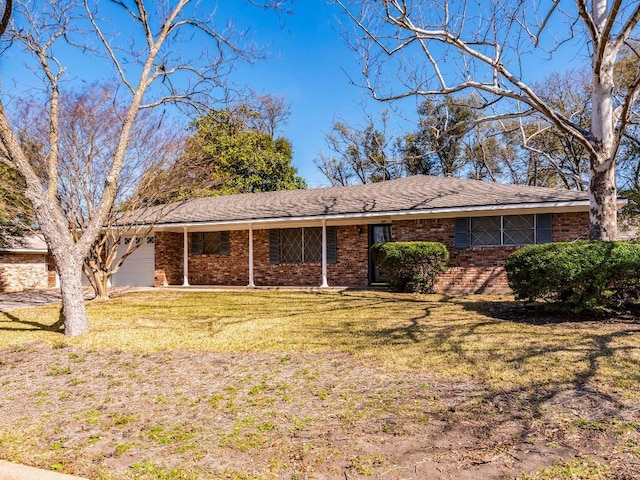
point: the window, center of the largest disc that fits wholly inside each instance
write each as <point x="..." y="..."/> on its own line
<point x="210" y="243"/>
<point x="503" y="230"/>
<point x="301" y="245"/>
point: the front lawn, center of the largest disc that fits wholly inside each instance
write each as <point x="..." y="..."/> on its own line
<point x="263" y="384"/>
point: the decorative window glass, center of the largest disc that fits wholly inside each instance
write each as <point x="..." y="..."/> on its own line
<point x="291" y="245"/>
<point x="312" y="248"/>
<point x="503" y="230"/>
<point x="485" y="231"/>
<point x="518" y="230"/>
<point x="210" y="243"/>
<point x="301" y="245"/>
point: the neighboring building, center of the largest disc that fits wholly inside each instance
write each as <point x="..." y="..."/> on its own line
<point x="322" y="237"/>
<point x="25" y="266"/>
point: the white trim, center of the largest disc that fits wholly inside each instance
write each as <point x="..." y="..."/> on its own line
<point x="251" y="281"/>
<point x="185" y="259"/>
<point x="324" y="255"/>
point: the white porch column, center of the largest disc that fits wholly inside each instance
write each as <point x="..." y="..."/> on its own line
<point x="324" y="255"/>
<point x="185" y="259"/>
<point x="251" y="283"/>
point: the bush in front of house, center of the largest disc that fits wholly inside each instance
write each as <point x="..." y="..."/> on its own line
<point x="577" y="276"/>
<point x="411" y="266"/>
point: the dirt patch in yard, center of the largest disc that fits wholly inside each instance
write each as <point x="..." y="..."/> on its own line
<point x="187" y="415"/>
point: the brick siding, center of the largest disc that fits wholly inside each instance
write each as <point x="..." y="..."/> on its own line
<point x="168" y="253"/>
<point x="471" y="270"/>
<point x="20" y="272"/>
<point x="213" y="269"/>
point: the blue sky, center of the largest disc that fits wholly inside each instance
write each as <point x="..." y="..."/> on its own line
<point x="308" y="63"/>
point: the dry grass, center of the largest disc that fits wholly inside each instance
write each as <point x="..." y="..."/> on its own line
<point x="306" y="385"/>
<point x="485" y="338"/>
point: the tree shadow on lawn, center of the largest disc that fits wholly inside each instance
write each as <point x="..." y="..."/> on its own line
<point x="537" y="313"/>
<point x="56" y="327"/>
<point x="598" y="394"/>
<point x="567" y="380"/>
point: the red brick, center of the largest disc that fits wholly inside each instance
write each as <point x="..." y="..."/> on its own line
<point x="471" y="270"/>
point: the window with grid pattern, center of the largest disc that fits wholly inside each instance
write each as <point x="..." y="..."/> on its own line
<point x="300" y="245"/>
<point x="312" y="245"/>
<point x="291" y="245"/>
<point x="485" y="231"/>
<point x="506" y="230"/>
<point x="518" y="230"/>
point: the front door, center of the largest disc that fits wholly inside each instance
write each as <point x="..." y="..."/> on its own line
<point x="377" y="234"/>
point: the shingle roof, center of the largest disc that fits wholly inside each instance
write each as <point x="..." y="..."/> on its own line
<point x="418" y="193"/>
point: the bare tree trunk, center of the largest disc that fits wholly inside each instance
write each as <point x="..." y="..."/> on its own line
<point x="73" y="307"/>
<point x="603" y="215"/>
<point x="602" y="200"/>
<point x="102" y="282"/>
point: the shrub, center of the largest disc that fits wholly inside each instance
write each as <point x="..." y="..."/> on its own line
<point x="577" y="276"/>
<point x="411" y="266"/>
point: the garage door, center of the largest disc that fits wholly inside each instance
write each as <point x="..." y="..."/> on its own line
<point x="137" y="269"/>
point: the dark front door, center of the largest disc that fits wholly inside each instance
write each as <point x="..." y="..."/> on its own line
<point x="377" y="234"/>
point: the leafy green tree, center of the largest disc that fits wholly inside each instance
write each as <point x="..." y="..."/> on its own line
<point x="231" y="151"/>
<point x="436" y="148"/>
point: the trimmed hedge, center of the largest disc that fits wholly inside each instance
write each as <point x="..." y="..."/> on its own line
<point x="411" y="266"/>
<point x="577" y="276"/>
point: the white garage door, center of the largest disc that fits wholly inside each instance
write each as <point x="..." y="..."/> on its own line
<point x="137" y="269"/>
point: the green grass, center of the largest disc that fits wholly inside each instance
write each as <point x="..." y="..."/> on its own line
<point x="465" y="337"/>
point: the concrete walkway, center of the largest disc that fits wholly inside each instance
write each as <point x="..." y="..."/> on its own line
<point x="14" y="471"/>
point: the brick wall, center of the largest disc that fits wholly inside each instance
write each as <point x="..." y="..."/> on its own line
<point x="471" y="270"/>
<point x="22" y="272"/>
<point x="168" y="259"/>
<point x="480" y="269"/>
<point x="352" y="265"/>
<point x="265" y="273"/>
<point x="51" y="271"/>
<point x="232" y="269"/>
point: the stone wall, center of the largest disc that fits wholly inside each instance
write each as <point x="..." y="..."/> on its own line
<point x="471" y="270"/>
<point x="20" y="271"/>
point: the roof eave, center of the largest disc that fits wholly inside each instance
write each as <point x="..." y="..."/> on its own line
<point x="368" y="217"/>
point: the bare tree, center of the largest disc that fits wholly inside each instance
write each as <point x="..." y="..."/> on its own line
<point x="89" y="120"/>
<point x="6" y="15"/>
<point x="360" y="155"/>
<point x="488" y="48"/>
<point x="173" y="56"/>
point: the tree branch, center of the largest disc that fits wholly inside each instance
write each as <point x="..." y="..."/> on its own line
<point x="6" y="15"/>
